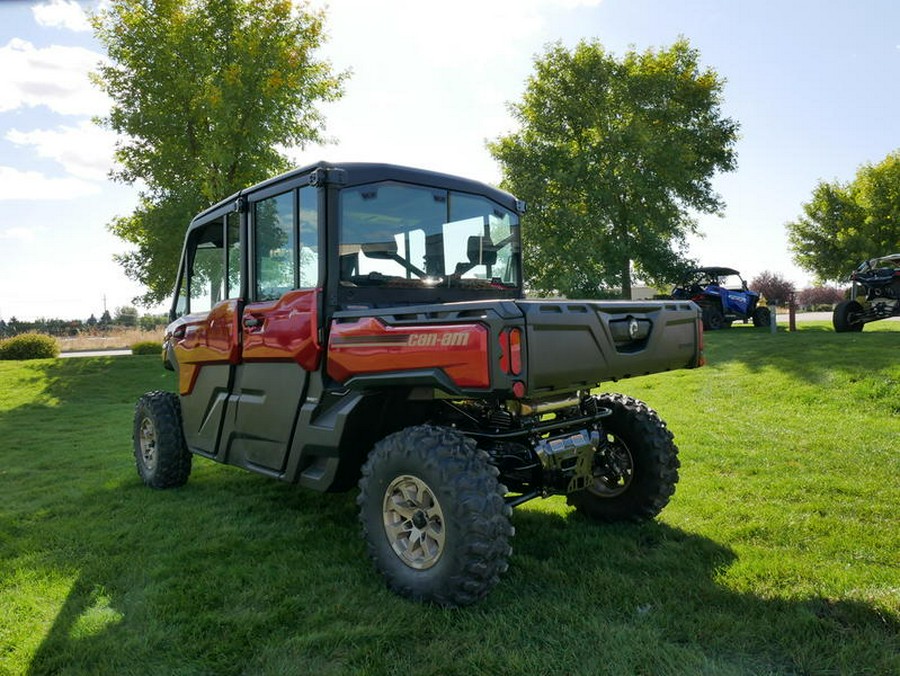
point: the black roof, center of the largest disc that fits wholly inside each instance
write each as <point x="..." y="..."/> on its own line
<point x="360" y="173"/>
<point x="715" y="272"/>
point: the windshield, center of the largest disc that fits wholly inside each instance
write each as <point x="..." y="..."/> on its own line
<point x="731" y="282"/>
<point x="395" y="234"/>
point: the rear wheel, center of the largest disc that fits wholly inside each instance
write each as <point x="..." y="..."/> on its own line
<point x="160" y="453"/>
<point x="433" y="516"/>
<point x="635" y="474"/>
<point x="713" y="319"/>
<point x="845" y="317"/>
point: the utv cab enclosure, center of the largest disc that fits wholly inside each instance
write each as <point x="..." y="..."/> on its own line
<point x="365" y="325"/>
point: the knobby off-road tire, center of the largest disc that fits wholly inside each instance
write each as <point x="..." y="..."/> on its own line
<point x="762" y="316"/>
<point x="842" y="317"/>
<point x="160" y="452"/>
<point x="433" y="516"/>
<point x="645" y="462"/>
<point x="713" y="319"/>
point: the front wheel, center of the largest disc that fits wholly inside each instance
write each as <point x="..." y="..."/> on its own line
<point x="433" y="516"/>
<point x="845" y="317"/>
<point x="635" y="472"/>
<point x="762" y="316"/>
<point x="160" y="453"/>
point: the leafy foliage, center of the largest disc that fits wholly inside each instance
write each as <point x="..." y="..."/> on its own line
<point x="67" y="328"/>
<point x="205" y="92"/>
<point x="146" y="347"/>
<point x="126" y="316"/>
<point x="612" y="155"/>
<point x="152" y="322"/>
<point x="819" y="296"/>
<point x="29" y="346"/>
<point x="774" y="288"/>
<point x="49" y="326"/>
<point x="847" y="223"/>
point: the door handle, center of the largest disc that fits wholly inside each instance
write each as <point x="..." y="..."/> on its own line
<point x="252" y="322"/>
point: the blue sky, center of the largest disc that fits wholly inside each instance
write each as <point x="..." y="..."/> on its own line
<point x="814" y="85"/>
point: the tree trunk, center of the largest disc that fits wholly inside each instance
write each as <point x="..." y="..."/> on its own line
<point x="626" y="279"/>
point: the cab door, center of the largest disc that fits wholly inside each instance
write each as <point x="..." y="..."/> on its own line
<point x="278" y="327"/>
<point x="205" y="336"/>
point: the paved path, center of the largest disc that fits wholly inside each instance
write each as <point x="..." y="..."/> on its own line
<point x="96" y="353"/>
<point x="817" y="316"/>
<point x="783" y="316"/>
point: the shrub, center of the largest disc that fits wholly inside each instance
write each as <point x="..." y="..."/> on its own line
<point x="818" y="296"/>
<point x="29" y="346"/>
<point x="774" y="288"/>
<point x="146" y="347"/>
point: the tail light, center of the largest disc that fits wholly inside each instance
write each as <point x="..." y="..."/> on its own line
<point x="511" y="358"/>
<point x="511" y="351"/>
<point x="515" y="351"/>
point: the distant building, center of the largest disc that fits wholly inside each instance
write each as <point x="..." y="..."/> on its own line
<point x="644" y="292"/>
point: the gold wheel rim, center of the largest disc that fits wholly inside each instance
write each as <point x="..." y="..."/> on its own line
<point x="413" y="522"/>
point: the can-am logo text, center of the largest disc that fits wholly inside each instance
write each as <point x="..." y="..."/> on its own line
<point x="438" y="339"/>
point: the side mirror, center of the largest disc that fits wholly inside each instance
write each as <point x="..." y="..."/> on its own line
<point x="382" y="250"/>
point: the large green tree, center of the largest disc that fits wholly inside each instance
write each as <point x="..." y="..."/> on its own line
<point x="204" y="92"/>
<point x="614" y="156"/>
<point x="846" y="223"/>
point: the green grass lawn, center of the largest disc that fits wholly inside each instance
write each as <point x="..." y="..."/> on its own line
<point x="779" y="553"/>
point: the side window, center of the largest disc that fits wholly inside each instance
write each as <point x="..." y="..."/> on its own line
<point x="491" y="248"/>
<point x="181" y="299"/>
<point x="309" y="238"/>
<point x="233" y="252"/>
<point x="275" y="246"/>
<point x="206" y="278"/>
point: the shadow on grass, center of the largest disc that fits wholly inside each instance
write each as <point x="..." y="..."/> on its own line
<point x="96" y="380"/>
<point x="194" y="579"/>
<point x="656" y="569"/>
<point x="806" y="354"/>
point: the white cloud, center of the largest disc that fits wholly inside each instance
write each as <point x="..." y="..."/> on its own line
<point x="18" y="233"/>
<point x="54" y="76"/>
<point x="572" y="4"/>
<point x="61" y="14"/>
<point x="431" y="79"/>
<point x="440" y="35"/>
<point x="31" y="185"/>
<point x="85" y="151"/>
<point x="414" y="34"/>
